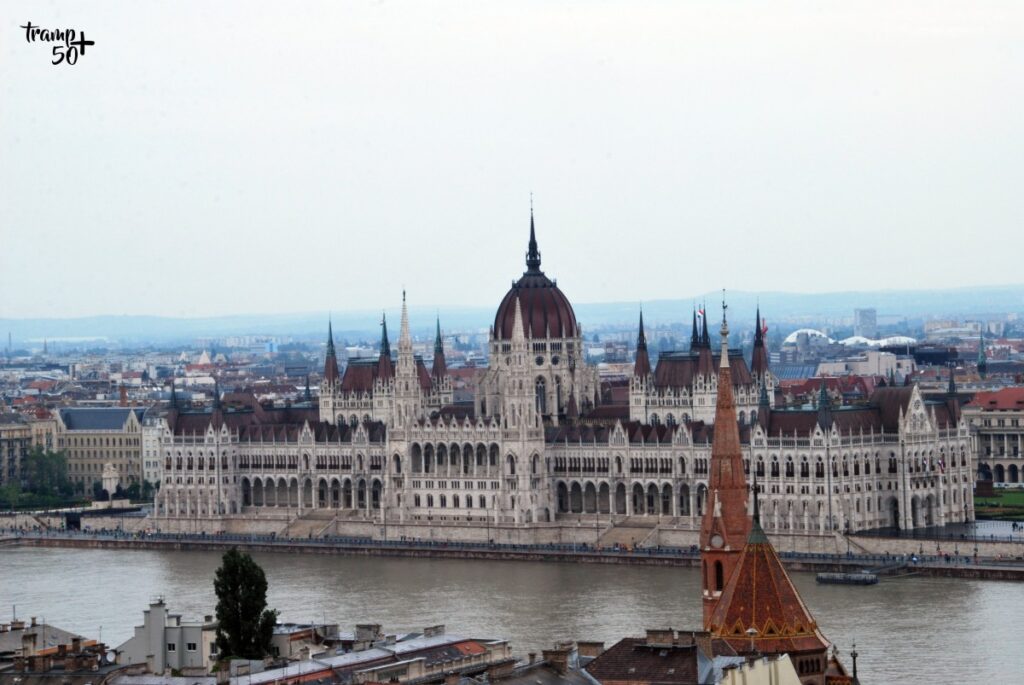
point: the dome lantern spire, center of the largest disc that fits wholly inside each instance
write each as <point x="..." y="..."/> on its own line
<point x="532" y="253"/>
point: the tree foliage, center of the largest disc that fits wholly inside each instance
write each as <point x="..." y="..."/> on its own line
<point x="43" y="481"/>
<point x="244" y="624"/>
<point x="99" y="494"/>
<point x="46" y="473"/>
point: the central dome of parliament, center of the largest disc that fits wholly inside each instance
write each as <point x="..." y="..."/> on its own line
<point x="546" y="310"/>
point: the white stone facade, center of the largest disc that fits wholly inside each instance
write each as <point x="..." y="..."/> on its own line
<point x="385" y="443"/>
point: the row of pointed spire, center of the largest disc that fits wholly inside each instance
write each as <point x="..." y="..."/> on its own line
<point x="385" y="365"/>
<point x="440" y="368"/>
<point x="701" y="340"/>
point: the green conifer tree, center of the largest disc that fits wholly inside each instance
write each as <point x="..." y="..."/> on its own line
<point x="244" y="624"/>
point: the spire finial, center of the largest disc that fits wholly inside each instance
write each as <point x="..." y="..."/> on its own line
<point x="641" y="339"/>
<point x="705" y="337"/>
<point x="385" y="345"/>
<point x="725" y="323"/>
<point x="694" y="341"/>
<point x="758" y="333"/>
<point x="532" y="253"/>
<point x="725" y="334"/>
<point x="824" y="407"/>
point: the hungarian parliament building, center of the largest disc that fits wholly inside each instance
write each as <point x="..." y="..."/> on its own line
<point x="385" y="442"/>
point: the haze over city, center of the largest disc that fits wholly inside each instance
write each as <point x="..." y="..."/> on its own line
<point x="266" y="158"/>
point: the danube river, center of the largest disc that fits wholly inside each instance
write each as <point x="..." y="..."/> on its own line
<point x="913" y="630"/>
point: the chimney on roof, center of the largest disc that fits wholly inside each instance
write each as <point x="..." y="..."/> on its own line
<point x="590" y="648"/>
<point x="28" y="644"/>
<point x="432" y="631"/>
<point x="33" y="619"/>
<point x="660" y="637"/>
<point x="497" y="671"/>
<point x="558" y="658"/>
<point x="367" y="631"/>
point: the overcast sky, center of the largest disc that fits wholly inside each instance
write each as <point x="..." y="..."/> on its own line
<point x="217" y="158"/>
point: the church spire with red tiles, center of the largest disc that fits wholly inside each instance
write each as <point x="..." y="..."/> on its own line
<point x="725" y="525"/>
<point x="761" y="610"/>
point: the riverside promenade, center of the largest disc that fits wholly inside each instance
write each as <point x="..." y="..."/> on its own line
<point x="895" y="566"/>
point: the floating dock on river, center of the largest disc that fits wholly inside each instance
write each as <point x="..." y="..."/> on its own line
<point x="864" y="578"/>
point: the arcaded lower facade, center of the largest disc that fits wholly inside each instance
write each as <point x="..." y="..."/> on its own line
<point x="385" y="441"/>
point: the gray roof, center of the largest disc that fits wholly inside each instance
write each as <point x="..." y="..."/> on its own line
<point x="542" y="673"/>
<point x="98" y="418"/>
<point x="792" y="372"/>
<point x="46" y="636"/>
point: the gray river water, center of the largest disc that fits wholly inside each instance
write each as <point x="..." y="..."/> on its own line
<point x="913" y="630"/>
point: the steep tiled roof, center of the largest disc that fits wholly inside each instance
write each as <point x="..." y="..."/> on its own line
<point x="359" y="375"/>
<point x="634" y="660"/>
<point x="678" y="369"/>
<point x="1000" y="400"/>
<point x="97" y="418"/>
<point x="423" y="375"/>
<point x="760" y="595"/>
<point x="890" y="402"/>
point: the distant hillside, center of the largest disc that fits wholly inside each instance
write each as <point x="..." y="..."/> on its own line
<point x="776" y="307"/>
